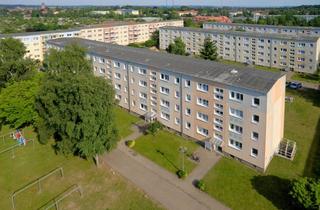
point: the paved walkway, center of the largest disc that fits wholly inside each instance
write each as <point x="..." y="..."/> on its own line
<point x="159" y="183"/>
<point x="304" y="83"/>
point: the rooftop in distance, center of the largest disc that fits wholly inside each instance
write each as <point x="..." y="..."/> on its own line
<point x="243" y="77"/>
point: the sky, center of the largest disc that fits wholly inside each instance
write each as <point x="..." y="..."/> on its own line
<point x="249" y="3"/>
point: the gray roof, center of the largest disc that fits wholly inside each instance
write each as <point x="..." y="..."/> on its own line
<point x="35" y="33"/>
<point x="245" y="34"/>
<point x="265" y="26"/>
<point x="246" y="77"/>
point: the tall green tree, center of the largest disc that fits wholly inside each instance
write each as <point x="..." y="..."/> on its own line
<point x="13" y="65"/>
<point x="178" y="47"/>
<point x="306" y="192"/>
<point x="209" y="50"/>
<point x="75" y="106"/>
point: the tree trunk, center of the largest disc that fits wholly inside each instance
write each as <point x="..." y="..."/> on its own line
<point x="97" y="160"/>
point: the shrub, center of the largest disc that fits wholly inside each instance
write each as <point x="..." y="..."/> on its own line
<point x="182" y="174"/>
<point x="201" y="185"/>
<point x="131" y="143"/>
<point x="154" y="127"/>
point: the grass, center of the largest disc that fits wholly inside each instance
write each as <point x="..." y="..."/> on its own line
<point x="163" y="149"/>
<point x="311" y="78"/>
<point x="263" y="68"/>
<point x="124" y="121"/>
<point x="241" y="187"/>
<point x="101" y="188"/>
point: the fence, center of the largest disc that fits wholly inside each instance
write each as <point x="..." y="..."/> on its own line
<point x="13" y="147"/>
<point x="37" y="181"/>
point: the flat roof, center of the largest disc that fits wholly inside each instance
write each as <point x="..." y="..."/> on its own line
<point x="245" y="33"/>
<point x="269" y="26"/>
<point x="245" y="77"/>
<point x="38" y="33"/>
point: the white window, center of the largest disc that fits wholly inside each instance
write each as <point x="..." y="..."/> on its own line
<point x="177" y="107"/>
<point x="187" y="83"/>
<point x="132" y="80"/>
<point x="164" y="77"/>
<point x="143" y="95"/>
<point x="235" y="144"/>
<point x="202" y="131"/>
<point x="255" y="136"/>
<point x="235" y="128"/>
<point x="188" y="111"/>
<point x="153" y="73"/>
<point x="142" y="71"/>
<point x="236" y="96"/>
<point x="153" y="78"/>
<point x="177" y="80"/>
<point x="117" y="75"/>
<point x="143" y="107"/>
<point x="236" y="113"/>
<point x="177" y="94"/>
<point x="202" y="102"/>
<point x="255" y="102"/>
<point x="165" y="103"/>
<point x="153" y="103"/>
<point x="177" y="121"/>
<point x="218" y="121"/>
<point x="102" y="70"/>
<point x="117" y="86"/>
<point x="254" y="152"/>
<point x="188" y="97"/>
<point x="117" y="64"/>
<point x="202" y="116"/>
<point x="165" y="116"/>
<point x="118" y="97"/>
<point x="203" y="87"/>
<point x="188" y="125"/>
<point x="164" y="90"/>
<point x="142" y="83"/>
<point x="218" y="128"/>
<point x="255" y="118"/>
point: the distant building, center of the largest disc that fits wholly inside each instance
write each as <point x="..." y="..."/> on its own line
<point x="43" y="9"/>
<point x="236" y="13"/>
<point x="187" y="12"/>
<point x="127" y="12"/>
<point x="220" y="19"/>
<point x="99" y="12"/>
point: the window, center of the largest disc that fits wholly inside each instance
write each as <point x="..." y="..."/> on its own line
<point x="188" y="98"/>
<point x="165" y="103"/>
<point x="188" y="125"/>
<point x="117" y="86"/>
<point x="142" y="71"/>
<point x="117" y="75"/>
<point x="165" y="116"/>
<point x="143" y="107"/>
<point x="177" y="107"/>
<point x="116" y="64"/>
<point x="235" y="144"/>
<point x="143" y="95"/>
<point x="202" y="117"/>
<point x="164" y="90"/>
<point x="254" y="136"/>
<point x="202" y="102"/>
<point x="254" y="152"/>
<point x="177" y="94"/>
<point x="203" y="87"/>
<point x="118" y="97"/>
<point x="164" y="77"/>
<point x="188" y="111"/>
<point x="202" y="131"/>
<point x="187" y="83"/>
<point x="218" y="128"/>
<point x="236" y="96"/>
<point x="102" y="70"/>
<point x="177" y="121"/>
<point x="142" y="83"/>
<point x="218" y="109"/>
<point x="236" y="113"/>
<point x="177" y="80"/>
<point x="255" y="118"/>
<point x="256" y="102"/>
<point x="235" y="128"/>
<point x="218" y="121"/>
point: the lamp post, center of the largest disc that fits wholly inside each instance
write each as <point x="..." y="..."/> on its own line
<point x="183" y="150"/>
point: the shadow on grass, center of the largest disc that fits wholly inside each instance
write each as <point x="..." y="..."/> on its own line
<point x="275" y="189"/>
<point x="312" y="166"/>
<point x="310" y="95"/>
<point x="167" y="159"/>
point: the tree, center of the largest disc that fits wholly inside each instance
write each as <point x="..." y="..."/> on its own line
<point x="178" y="47"/>
<point x="18" y="101"/>
<point x="209" y="50"/>
<point x="306" y="192"/>
<point x="75" y="106"/>
<point x="13" y="65"/>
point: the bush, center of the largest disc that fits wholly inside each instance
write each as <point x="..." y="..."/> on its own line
<point x="182" y="174"/>
<point x="154" y="127"/>
<point x="201" y="185"/>
<point x="131" y="143"/>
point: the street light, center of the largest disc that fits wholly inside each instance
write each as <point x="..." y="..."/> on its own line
<point x="183" y="150"/>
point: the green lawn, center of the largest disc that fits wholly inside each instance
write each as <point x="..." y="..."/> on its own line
<point x="163" y="149"/>
<point x="264" y="68"/>
<point x="311" y="78"/>
<point x="124" y="121"/>
<point x="241" y="187"/>
<point x="101" y="189"/>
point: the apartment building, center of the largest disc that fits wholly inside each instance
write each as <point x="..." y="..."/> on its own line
<point x="271" y="29"/>
<point x="286" y="52"/>
<point x="122" y="33"/>
<point x="240" y="111"/>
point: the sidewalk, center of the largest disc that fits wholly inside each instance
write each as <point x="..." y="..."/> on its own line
<point x="159" y="183"/>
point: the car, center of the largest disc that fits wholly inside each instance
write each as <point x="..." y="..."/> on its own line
<point x="295" y="85"/>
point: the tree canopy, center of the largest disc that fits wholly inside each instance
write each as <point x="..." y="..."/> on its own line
<point x="209" y="50"/>
<point x="178" y="47"/>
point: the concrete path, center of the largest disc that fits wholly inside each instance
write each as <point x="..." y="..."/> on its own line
<point x="160" y="184"/>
